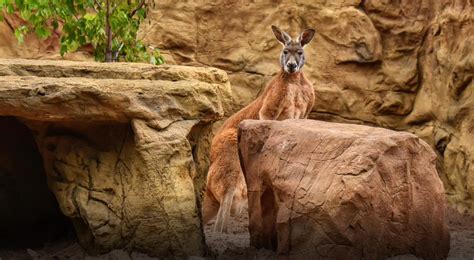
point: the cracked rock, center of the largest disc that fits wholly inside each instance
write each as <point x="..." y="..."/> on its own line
<point x="341" y="191"/>
<point x="115" y="143"/>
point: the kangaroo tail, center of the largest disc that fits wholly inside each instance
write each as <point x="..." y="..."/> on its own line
<point x="222" y="219"/>
<point x="210" y="207"/>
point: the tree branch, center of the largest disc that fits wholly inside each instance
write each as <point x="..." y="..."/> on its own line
<point x="132" y="13"/>
<point x="99" y="8"/>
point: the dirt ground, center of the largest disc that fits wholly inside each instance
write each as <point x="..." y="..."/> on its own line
<point x="235" y="244"/>
<point x="461" y="227"/>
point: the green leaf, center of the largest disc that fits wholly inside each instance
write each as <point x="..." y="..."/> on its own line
<point x="63" y="49"/>
<point x="153" y="60"/>
<point x="33" y="4"/>
<point x="20" y="4"/>
<point x="10" y="9"/>
<point x="70" y="5"/>
<point x="90" y="16"/>
<point x="55" y="24"/>
<point x="42" y="32"/>
<point x="82" y="40"/>
<point x="26" y="14"/>
<point x="161" y="60"/>
<point x="20" y="34"/>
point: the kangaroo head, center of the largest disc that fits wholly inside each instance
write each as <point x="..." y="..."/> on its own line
<point x="292" y="55"/>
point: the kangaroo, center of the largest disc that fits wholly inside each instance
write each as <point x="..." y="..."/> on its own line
<point x="289" y="95"/>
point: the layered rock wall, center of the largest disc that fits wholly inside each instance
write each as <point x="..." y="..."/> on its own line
<point x="404" y="65"/>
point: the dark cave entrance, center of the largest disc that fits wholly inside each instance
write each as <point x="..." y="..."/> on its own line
<point x="29" y="213"/>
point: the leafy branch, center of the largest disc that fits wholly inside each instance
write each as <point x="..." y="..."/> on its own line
<point x="110" y="26"/>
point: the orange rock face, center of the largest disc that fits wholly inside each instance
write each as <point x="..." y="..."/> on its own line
<point x="405" y="65"/>
<point x="342" y="191"/>
<point x="33" y="48"/>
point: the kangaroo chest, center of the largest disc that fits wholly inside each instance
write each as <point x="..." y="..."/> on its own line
<point x="297" y="102"/>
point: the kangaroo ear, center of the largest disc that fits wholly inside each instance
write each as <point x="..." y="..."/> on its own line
<point x="281" y="36"/>
<point x="306" y="36"/>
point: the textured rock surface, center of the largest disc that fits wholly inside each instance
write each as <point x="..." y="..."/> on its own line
<point x="117" y="151"/>
<point x="404" y="65"/>
<point x="115" y="92"/>
<point x="33" y="48"/>
<point x="341" y="191"/>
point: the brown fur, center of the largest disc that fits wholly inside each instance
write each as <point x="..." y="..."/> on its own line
<point x="287" y="96"/>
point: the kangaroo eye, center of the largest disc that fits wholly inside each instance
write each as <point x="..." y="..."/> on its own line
<point x="285" y="52"/>
<point x="300" y="52"/>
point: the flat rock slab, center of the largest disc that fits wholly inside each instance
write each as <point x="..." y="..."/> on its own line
<point x="120" y="92"/>
<point x="342" y="191"/>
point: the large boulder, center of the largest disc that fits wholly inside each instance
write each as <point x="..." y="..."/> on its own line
<point x="341" y="191"/>
<point x="405" y="65"/>
<point x="115" y="141"/>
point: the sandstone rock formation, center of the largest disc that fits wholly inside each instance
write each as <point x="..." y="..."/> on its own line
<point x="33" y="48"/>
<point x="341" y="191"/>
<point x="405" y="65"/>
<point x="116" y="146"/>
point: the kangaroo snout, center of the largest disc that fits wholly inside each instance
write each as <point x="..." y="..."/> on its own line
<point x="291" y="67"/>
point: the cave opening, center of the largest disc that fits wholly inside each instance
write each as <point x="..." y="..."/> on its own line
<point x="29" y="213"/>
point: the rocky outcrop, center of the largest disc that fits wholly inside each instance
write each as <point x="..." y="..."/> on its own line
<point x="404" y="65"/>
<point x="341" y="191"/>
<point x="115" y="140"/>
<point x="443" y="111"/>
